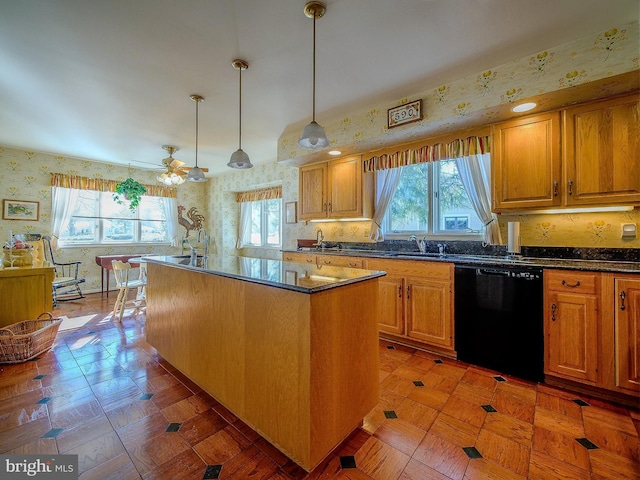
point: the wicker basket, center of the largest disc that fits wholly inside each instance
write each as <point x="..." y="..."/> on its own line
<point x="25" y="340"/>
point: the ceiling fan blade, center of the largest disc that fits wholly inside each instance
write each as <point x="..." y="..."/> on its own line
<point x="176" y="163"/>
<point x="204" y="169"/>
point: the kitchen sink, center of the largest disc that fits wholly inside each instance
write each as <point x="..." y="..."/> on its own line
<point x="421" y="254"/>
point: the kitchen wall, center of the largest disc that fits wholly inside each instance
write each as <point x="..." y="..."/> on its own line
<point x="593" y="57"/>
<point x="25" y="175"/>
<point x="590" y="58"/>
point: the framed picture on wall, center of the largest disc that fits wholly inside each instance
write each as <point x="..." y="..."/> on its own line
<point x="290" y="212"/>
<point x="20" y="210"/>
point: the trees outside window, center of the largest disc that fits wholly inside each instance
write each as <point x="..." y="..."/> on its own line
<point x="431" y="200"/>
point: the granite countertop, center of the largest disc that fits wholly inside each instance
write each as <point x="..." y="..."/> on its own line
<point x="291" y="276"/>
<point x="479" y="260"/>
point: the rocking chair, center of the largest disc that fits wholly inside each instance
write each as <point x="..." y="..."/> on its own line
<point x="66" y="284"/>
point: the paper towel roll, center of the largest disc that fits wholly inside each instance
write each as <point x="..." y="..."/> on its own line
<point x="513" y="245"/>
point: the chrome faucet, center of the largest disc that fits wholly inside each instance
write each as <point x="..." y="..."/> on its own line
<point x="422" y="244"/>
<point x="202" y="238"/>
<point x="441" y="249"/>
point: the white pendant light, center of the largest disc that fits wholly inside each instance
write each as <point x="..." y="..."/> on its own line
<point x="196" y="174"/>
<point x="313" y="136"/>
<point x="239" y="159"/>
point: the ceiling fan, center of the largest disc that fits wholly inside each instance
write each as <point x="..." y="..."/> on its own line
<point x="175" y="173"/>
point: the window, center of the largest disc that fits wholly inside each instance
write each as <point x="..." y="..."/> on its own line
<point x="98" y="219"/>
<point x="431" y="199"/>
<point x="265" y="223"/>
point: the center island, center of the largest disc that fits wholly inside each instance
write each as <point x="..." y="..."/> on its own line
<point x="291" y="349"/>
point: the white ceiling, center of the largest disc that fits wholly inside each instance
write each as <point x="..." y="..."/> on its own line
<point x="109" y="80"/>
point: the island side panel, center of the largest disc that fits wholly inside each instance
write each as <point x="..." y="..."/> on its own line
<point x="246" y="344"/>
<point x="344" y="362"/>
<point x="195" y="321"/>
<point x="278" y="368"/>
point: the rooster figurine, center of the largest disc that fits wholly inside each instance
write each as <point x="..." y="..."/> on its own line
<point x="195" y="222"/>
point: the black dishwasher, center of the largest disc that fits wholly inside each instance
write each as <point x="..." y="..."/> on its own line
<point x="498" y="319"/>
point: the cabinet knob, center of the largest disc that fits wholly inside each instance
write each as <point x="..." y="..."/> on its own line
<point x="575" y="285"/>
<point x="570" y="187"/>
<point x="553" y="312"/>
<point x="622" y="297"/>
<point x="555" y="189"/>
<point x="309" y="260"/>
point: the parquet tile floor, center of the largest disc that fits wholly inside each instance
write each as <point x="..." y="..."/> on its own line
<point x="105" y="395"/>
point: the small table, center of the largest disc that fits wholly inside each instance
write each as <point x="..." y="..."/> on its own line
<point x="105" y="263"/>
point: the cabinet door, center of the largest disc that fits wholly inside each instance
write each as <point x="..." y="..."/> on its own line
<point x="313" y="191"/>
<point x="429" y="312"/>
<point x="627" y="339"/>
<point x="526" y="163"/>
<point x="571" y="333"/>
<point x="345" y="188"/>
<point x="602" y="152"/>
<point x="392" y="304"/>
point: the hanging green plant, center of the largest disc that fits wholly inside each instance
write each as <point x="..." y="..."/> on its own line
<point x="131" y="191"/>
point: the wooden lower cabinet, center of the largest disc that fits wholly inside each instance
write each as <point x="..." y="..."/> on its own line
<point x="392" y="304"/>
<point x="416" y="302"/>
<point x="299" y="257"/>
<point x="627" y="333"/>
<point x="571" y="331"/>
<point x="592" y="331"/>
<point x="429" y="315"/>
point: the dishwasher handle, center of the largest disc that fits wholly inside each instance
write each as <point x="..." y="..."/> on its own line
<point x="493" y="272"/>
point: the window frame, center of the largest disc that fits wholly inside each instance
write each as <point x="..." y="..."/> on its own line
<point x="264" y="223"/>
<point x="433" y="231"/>
<point x="99" y="223"/>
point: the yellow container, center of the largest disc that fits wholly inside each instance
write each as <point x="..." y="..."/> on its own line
<point x="21" y="257"/>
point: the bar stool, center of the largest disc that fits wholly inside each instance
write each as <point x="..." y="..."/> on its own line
<point x="124" y="283"/>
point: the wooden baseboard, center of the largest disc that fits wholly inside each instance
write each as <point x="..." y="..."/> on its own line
<point x="595" y="392"/>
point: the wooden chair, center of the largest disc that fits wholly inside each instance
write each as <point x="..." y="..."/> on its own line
<point x="121" y="271"/>
<point x="66" y="283"/>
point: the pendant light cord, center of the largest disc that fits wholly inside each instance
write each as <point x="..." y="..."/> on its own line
<point x="240" y="112"/>
<point x="197" y="102"/>
<point x="313" y="109"/>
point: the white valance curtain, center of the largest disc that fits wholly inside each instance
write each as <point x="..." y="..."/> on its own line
<point x="472" y="156"/>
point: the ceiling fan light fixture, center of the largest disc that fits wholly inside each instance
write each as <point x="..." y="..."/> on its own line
<point x="170" y="177"/>
<point x="313" y="136"/>
<point x="196" y="174"/>
<point x="239" y="159"/>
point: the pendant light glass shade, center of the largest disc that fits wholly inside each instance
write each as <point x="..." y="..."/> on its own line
<point x="313" y="136"/>
<point x="196" y="174"/>
<point x="239" y="159"/>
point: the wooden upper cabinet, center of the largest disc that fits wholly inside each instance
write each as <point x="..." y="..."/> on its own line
<point x="345" y="187"/>
<point x="313" y="191"/>
<point x="602" y="152"/>
<point x="336" y="189"/>
<point x="526" y="163"/>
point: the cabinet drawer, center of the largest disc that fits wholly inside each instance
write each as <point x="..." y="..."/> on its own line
<point x="442" y="270"/>
<point x="571" y="281"/>
<point x="339" y="261"/>
<point x="298" y="257"/>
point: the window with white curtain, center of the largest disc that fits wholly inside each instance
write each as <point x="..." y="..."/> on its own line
<point x="265" y="218"/>
<point x="97" y="219"/>
<point x="431" y="200"/>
